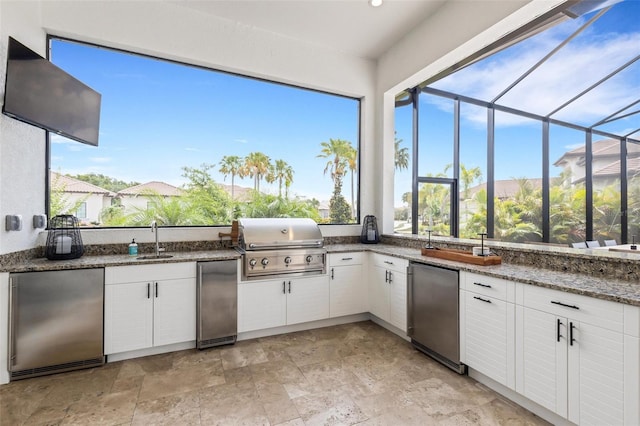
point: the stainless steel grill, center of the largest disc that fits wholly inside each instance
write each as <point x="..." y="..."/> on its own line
<point x="279" y="246"/>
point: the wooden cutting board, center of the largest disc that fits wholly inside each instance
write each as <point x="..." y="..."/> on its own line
<point x="461" y="256"/>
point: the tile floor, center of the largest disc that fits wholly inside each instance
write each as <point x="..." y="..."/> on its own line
<point x="349" y="374"/>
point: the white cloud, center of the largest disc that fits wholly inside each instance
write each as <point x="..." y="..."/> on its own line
<point x="577" y="66"/>
<point x="192" y="149"/>
<point x="241" y="140"/>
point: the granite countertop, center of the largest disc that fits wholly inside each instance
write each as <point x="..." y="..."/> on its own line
<point x="43" y="264"/>
<point x="627" y="292"/>
<point x="616" y="290"/>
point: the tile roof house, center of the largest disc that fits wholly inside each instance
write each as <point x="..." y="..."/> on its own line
<point x="89" y="198"/>
<point x="606" y="162"/>
<point x="139" y="196"/>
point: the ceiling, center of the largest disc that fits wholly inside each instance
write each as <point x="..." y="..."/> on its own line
<point x="350" y="26"/>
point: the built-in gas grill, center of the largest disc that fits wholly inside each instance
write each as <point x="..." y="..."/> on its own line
<point x="279" y="246"/>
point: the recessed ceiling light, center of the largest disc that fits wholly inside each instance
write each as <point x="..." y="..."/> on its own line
<point x="375" y="3"/>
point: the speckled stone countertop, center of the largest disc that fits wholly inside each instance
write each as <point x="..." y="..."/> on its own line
<point x="100" y="261"/>
<point x="624" y="291"/>
<point x="627" y="292"/>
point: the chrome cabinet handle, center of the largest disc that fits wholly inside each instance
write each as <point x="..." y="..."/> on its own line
<point x="284" y="284"/>
<point x="347" y="258"/>
<point x="289" y="286"/>
<point x="388" y="263"/>
<point x="332" y="273"/>
<point x="565" y="305"/>
<point x="481" y="299"/>
<point x="390" y="277"/>
<point x="156" y="289"/>
<point x="148" y="290"/>
<point x="482" y="285"/>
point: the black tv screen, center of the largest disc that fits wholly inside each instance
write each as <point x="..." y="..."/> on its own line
<point x="39" y="93"/>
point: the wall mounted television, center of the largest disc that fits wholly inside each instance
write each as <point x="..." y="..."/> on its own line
<point x="39" y="93"/>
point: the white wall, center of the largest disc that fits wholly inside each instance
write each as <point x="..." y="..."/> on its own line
<point x="22" y="147"/>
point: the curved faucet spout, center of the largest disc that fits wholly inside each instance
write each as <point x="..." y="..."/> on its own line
<point x="154" y="228"/>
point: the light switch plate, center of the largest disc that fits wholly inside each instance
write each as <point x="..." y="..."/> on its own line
<point x="13" y="222"/>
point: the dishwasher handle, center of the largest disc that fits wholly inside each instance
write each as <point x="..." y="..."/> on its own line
<point x="13" y="321"/>
<point x="410" y="301"/>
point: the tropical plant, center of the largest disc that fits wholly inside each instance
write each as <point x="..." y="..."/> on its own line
<point x="283" y="173"/>
<point x="401" y="155"/>
<point x="267" y="205"/>
<point x="231" y="165"/>
<point x="166" y="211"/>
<point x="208" y="202"/>
<point x="336" y="151"/>
<point x="256" y="166"/>
<point x="352" y="163"/>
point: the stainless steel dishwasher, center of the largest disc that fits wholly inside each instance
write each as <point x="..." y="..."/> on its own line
<point x="56" y="321"/>
<point x="433" y="313"/>
<point x="217" y="303"/>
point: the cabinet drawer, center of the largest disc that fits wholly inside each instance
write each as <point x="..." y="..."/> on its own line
<point x="340" y="259"/>
<point x="390" y="262"/>
<point x="154" y="272"/>
<point x="488" y="286"/>
<point x="603" y="313"/>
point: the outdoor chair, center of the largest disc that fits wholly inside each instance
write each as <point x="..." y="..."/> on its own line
<point x="610" y="243"/>
<point x="592" y="244"/>
<point x="579" y="245"/>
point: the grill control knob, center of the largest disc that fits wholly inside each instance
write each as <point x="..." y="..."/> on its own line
<point x="264" y="261"/>
<point x="252" y="262"/>
<point x="287" y="260"/>
<point x="309" y="258"/>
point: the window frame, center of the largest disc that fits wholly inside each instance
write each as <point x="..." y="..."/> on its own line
<point x="357" y="142"/>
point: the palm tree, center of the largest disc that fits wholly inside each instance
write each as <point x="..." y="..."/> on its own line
<point x="401" y="155"/>
<point x="336" y="151"/>
<point x="352" y="163"/>
<point x="256" y="165"/>
<point x="231" y="165"/>
<point x="283" y="173"/>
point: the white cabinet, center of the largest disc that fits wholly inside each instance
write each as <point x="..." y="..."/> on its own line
<point x="347" y="289"/>
<point x="388" y="289"/>
<point x="273" y="303"/>
<point x="487" y="330"/>
<point x="149" y="305"/>
<point x="578" y="356"/>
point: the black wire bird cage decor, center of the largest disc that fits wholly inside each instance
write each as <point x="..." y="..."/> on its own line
<point x="64" y="240"/>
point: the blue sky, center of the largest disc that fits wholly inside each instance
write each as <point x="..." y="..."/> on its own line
<point x="159" y="116"/>
<point x="607" y="44"/>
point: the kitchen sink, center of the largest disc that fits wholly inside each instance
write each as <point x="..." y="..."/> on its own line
<point x="154" y="256"/>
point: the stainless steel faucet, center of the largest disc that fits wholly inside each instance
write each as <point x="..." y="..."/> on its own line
<point x="154" y="228"/>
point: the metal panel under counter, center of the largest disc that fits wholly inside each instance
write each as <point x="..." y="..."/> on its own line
<point x="217" y="303"/>
<point x="55" y="321"/>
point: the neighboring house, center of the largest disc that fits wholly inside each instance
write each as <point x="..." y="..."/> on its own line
<point x="324" y="210"/>
<point x="139" y="196"/>
<point x="92" y="198"/>
<point x="606" y="162"/>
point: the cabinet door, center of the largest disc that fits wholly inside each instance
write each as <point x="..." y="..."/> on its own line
<point x="174" y="311"/>
<point x="307" y="299"/>
<point x="347" y="292"/>
<point x="489" y="339"/>
<point x="398" y="299"/>
<point x="128" y="310"/>
<point x="261" y="304"/>
<point x="596" y="376"/>
<point x="543" y="367"/>
<point x="379" y="292"/>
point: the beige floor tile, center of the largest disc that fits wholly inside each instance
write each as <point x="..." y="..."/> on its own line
<point x="183" y="409"/>
<point x="348" y="374"/>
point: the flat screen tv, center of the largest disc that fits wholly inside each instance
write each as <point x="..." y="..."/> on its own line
<point x="39" y="93"/>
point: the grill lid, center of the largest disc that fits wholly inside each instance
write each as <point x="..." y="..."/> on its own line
<point x="275" y="233"/>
